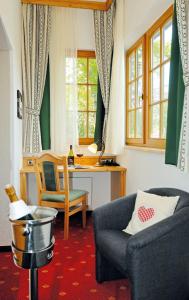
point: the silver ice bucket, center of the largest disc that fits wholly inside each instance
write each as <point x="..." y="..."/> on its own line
<point x="34" y="235"/>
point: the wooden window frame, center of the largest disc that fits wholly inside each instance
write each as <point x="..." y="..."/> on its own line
<point x="146" y="141"/>
<point x="86" y="54"/>
<point x="141" y="41"/>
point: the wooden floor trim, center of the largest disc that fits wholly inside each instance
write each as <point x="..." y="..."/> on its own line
<point x="5" y="248"/>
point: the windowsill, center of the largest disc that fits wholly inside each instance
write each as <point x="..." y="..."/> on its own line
<point x="144" y="149"/>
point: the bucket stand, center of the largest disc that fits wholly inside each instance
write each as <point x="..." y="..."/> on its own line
<point x="33" y="284"/>
<point x="33" y="261"/>
<point x="33" y="288"/>
<point x="33" y="244"/>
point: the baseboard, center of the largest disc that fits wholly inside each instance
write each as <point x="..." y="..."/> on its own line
<point x="5" y="248"/>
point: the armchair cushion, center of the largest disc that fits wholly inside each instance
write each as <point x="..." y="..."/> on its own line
<point x="149" y="210"/>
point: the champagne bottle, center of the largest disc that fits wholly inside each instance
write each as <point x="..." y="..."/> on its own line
<point x="71" y="156"/>
<point x="18" y="208"/>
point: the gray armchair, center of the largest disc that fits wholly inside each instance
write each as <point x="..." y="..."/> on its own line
<point x="155" y="260"/>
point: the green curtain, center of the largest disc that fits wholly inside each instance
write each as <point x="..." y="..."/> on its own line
<point x="175" y="99"/>
<point x="45" y="114"/>
<point x="100" y="112"/>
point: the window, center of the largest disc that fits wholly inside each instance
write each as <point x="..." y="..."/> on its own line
<point x="87" y="77"/>
<point x="135" y="92"/>
<point x="148" y="66"/>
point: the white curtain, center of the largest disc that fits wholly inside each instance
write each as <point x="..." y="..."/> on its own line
<point x="115" y="134"/>
<point x="103" y="26"/>
<point x="35" y="49"/>
<point x="182" y="7"/>
<point x="63" y="89"/>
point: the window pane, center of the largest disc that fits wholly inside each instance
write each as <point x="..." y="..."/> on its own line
<point x="131" y="116"/>
<point x="132" y="95"/>
<point x="82" y="97"/>
<point x="139" y="123"/>
<point x="155" y="85"/>
<point x="92" y="97"/>
<point x="139" y="93"/>
<point x="156" y="49"/>
<point x="166" y="70"/>
<point x="155" y="121"/>
<point x="164" y="119"/>
<point x="82" y="124"/>
<point x="82" y="70"/>
<point x="167" y="37"/>
<point x="132" y="66"/>
<point x="92" y="71"/>
<point x="91" y="124"/>
<point x="139" y="61"/>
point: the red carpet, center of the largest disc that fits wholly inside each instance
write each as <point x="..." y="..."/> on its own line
<point x="70" y="275"/>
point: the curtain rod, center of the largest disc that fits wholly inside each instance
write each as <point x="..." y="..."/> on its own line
<point x="94" y="5"/>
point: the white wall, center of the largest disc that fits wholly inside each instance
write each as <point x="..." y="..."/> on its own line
<point x="85" y="30"/>
<point x="140" y="15"/>
<point x="10" y="13"/>
<point x="11" y="127"/>
<point x="5" y="137"/>
<point x="147" y="169"/>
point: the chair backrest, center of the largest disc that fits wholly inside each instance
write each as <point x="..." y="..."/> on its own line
<point x="183" y="200"/>
<point x="49" y="171"/>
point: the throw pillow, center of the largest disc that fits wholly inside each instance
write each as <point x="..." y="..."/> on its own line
<point x="150" y="209"/>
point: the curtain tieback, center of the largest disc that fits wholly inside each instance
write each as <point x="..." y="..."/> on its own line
<point x="186" y="79"/>
<point x="33" y="112"/>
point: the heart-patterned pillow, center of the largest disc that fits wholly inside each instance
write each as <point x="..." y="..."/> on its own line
<point x="150" y="209"/>
<point x="145" y="214"/>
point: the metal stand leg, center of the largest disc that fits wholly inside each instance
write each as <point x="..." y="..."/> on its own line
<point x="33" y="282"/>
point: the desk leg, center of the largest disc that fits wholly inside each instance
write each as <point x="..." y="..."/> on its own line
<point x="122" y="183"/>
<point x="23" y="186"/>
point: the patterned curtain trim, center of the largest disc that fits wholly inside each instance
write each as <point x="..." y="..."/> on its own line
<point x="103" y="24"/>
<point x="35" y="49"/>
<point x="182" y="19"/>
<point x="31" y="111"/>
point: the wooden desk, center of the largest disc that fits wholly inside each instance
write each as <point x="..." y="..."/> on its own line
<point x="121" y="171"/>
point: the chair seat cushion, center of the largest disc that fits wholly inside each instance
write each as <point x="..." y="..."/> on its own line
<point x="116" y="242"/>
<point x="74" y="194"/>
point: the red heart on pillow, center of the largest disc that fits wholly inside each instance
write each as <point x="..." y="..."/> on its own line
<point x="145" y="214"/>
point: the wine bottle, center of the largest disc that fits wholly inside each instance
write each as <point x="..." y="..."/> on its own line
<point x="18" y="208"/>
<point x="71" y="156"/>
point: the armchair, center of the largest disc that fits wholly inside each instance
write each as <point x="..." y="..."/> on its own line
<point x="155" y="260"/>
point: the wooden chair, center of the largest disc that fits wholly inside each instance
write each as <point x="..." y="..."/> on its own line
<point x="53" y="189"/>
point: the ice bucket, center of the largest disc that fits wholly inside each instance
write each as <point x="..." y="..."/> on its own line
<point x="34" y="235"/>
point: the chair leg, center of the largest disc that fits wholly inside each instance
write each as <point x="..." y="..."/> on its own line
<point x="66" y="224"/>
<point x="84" y="211"/>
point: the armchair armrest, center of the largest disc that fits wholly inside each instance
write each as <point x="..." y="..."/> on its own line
<point x="160" y="250"/>
<point x="114" y="215"/>
<point x="174" y="224"/>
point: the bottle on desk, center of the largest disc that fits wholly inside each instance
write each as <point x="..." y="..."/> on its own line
<point x="18" y="208"/>
<point x="71" y="156"/>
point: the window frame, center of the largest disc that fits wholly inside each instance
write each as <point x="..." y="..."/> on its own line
<point x="86" y="54"/>
<point x="141" y="41"/>
<point x="147" y="141"/>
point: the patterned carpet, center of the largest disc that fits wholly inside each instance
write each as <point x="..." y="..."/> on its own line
<point x="70" y="275"/>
